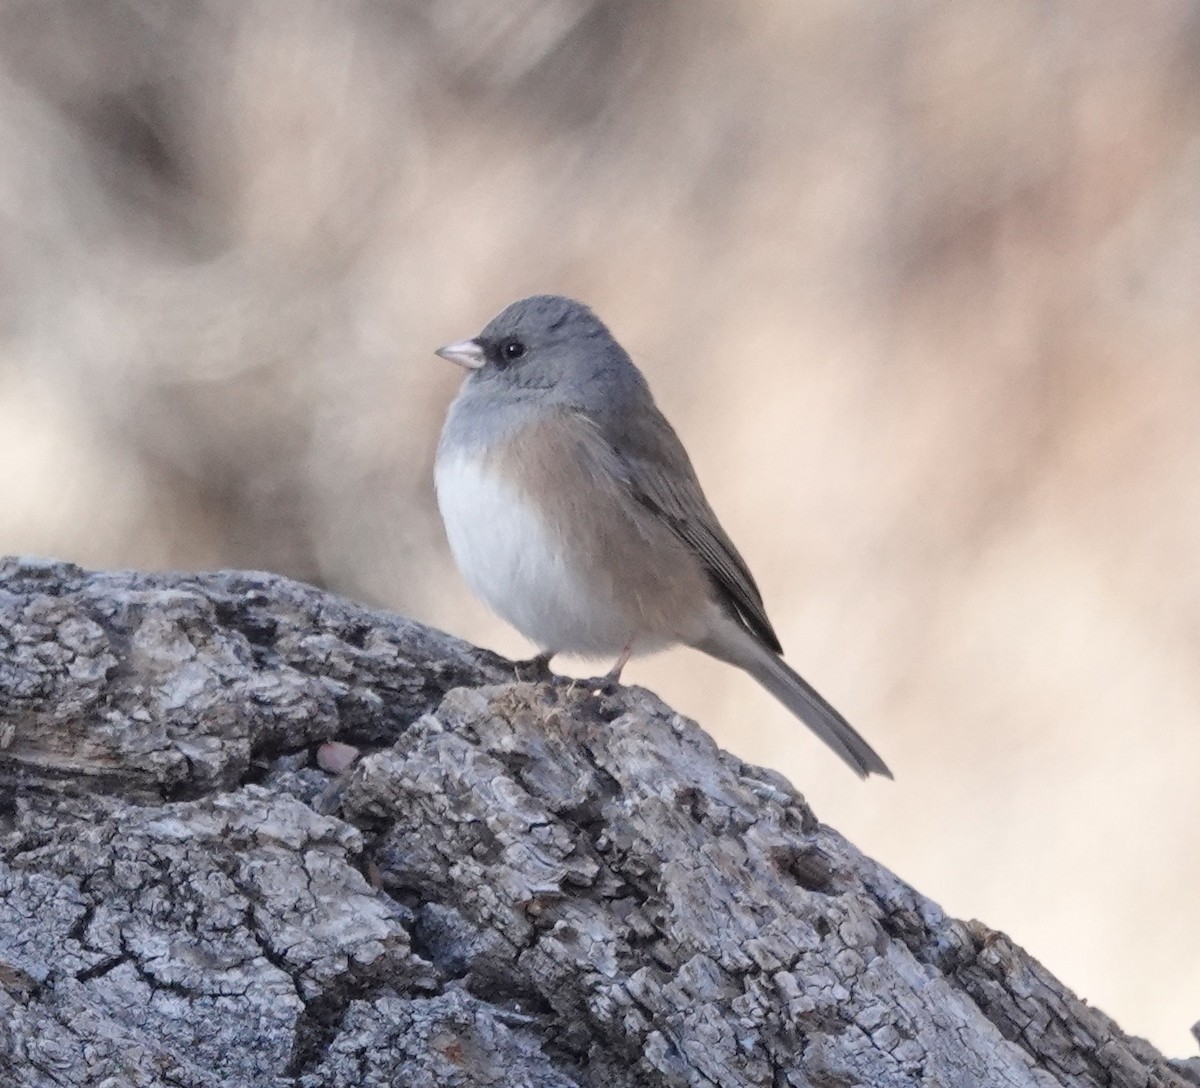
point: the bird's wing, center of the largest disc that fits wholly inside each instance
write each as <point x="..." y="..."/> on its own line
<point x="651" y="460"/>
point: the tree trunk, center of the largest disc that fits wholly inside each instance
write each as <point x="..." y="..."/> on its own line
<point x="518" y="884"/>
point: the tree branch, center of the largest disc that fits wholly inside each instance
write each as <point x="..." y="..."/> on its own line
<point x="517" y="884"/>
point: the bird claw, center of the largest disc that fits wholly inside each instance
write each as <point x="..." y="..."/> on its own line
<point x="608" y="684"/>
<point x="536" y="669"/>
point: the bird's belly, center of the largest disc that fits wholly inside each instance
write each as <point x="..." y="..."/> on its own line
<point x="527" y="571"/>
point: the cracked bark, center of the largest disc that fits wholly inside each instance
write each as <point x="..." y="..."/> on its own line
<point x="517" y="884"/>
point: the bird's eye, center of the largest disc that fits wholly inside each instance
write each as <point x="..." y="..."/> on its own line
<point x="511" y="350"/>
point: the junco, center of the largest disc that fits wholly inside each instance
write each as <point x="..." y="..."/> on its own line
<point x="573" y="511"/>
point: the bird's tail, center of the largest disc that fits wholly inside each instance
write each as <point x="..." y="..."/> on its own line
<point x="733" y="643"/>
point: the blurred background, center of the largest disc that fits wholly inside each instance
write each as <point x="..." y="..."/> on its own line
<point x="919" y="285"/>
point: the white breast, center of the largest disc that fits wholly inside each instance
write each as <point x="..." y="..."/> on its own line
<point x="517" y="564"/>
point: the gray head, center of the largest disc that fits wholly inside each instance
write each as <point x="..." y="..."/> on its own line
<point x="550" y="348"/>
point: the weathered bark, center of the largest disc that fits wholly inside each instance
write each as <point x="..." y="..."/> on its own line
<point x="517" y="884"/>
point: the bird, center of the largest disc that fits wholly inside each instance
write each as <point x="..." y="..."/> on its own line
<point x="573" y="511"/>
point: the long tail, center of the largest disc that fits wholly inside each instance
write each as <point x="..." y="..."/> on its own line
<point x="733" y="643"/>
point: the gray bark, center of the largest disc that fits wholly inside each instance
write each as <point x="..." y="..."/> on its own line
<point x="516" y="884"/>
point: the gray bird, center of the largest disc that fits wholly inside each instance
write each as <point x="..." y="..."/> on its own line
<point x="573" y="511"/>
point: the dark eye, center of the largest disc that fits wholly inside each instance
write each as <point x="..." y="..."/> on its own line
<point x="511" y="350"/>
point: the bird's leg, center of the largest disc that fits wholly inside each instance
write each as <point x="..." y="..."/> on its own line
<point x="613" y="676"/>
<point x="536" y="668"/>
<point x="611" y="680"/>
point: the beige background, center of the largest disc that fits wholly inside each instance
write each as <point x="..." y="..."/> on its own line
<point x="918" y="283"/>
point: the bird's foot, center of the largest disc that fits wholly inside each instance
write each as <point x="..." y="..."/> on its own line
<point x="536" y="669"/>
<point x="610" y="682"/>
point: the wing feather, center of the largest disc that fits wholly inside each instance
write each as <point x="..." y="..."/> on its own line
<point x="645" y="452"/>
